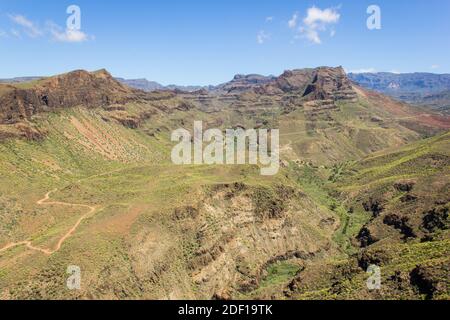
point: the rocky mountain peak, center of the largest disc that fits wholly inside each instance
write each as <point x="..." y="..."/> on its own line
<point x="323" y="83"/>
<point x="242" y="83"/>
<point x="76" y="88"/>
<point x="330" y="83"/>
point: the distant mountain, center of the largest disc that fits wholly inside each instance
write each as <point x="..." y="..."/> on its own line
<point x="405" y="82"/>
<point x="241" y="83"/>
<point x="440" y="101"/>
<point x="426" y="89"/>
<point x="149" y="86"/>
<point x="323" y="83"/>
<point x="20" y="79"/>
<point x="141" y="84"/>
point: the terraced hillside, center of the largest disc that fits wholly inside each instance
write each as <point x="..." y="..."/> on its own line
<point x="87" y="180"/>
<point x="394" y="211"/>
<point x="426" y="89"/>
<point x="155" y="225"/>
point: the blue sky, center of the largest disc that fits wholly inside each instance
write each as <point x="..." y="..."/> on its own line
<point x="208" y="42"/>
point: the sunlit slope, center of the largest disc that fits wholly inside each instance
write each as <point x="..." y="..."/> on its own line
<point x="400" y="200"/>
<point x="323" y="132"/>
<point x="93" y="185"/>
<point x="156" y="230"/>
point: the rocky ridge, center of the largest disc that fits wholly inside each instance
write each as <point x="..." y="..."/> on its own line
<point x="77" y="88"/>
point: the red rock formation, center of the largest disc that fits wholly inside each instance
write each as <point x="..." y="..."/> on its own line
<point x="77" y="88"/>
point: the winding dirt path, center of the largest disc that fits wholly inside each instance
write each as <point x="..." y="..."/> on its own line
<point x="44" y="202"/>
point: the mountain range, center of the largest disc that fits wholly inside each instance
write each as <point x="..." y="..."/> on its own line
<point x="425" y="89"/>
<point x="87" y="180"/>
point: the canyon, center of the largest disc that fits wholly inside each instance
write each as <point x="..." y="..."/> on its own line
<point x="363" y="179"/>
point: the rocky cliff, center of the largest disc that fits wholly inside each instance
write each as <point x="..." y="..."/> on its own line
<point x="78" y="88"/>
<point x="322" y="83"/>
<point x="314" y="84"/>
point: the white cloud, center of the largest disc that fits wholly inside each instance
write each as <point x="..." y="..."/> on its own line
<point x="367" y="70"/>
<point x="293" y="22"/>
<point x="3" y="34"/>
<point x="317" y="16"/>
<point x="315" y="22"/>
<point x="70" y="36"/>
<point x="435" y="66"/>
<point x="262" y="37"/>
<point x="28" y="26"/>
<point x="269" y="19"/>
<point x="61" y="35"/>
<point x="52" y="30"/>
<point x="312" y="35"/>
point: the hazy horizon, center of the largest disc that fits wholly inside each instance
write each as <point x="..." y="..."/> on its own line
<point x="210" y="84"/>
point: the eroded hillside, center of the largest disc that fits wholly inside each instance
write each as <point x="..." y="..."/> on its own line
<point x="163" y="231"/>
<point x="397" y="205"/>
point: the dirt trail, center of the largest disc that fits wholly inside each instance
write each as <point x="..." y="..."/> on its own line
<point x="43" y="202"/>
